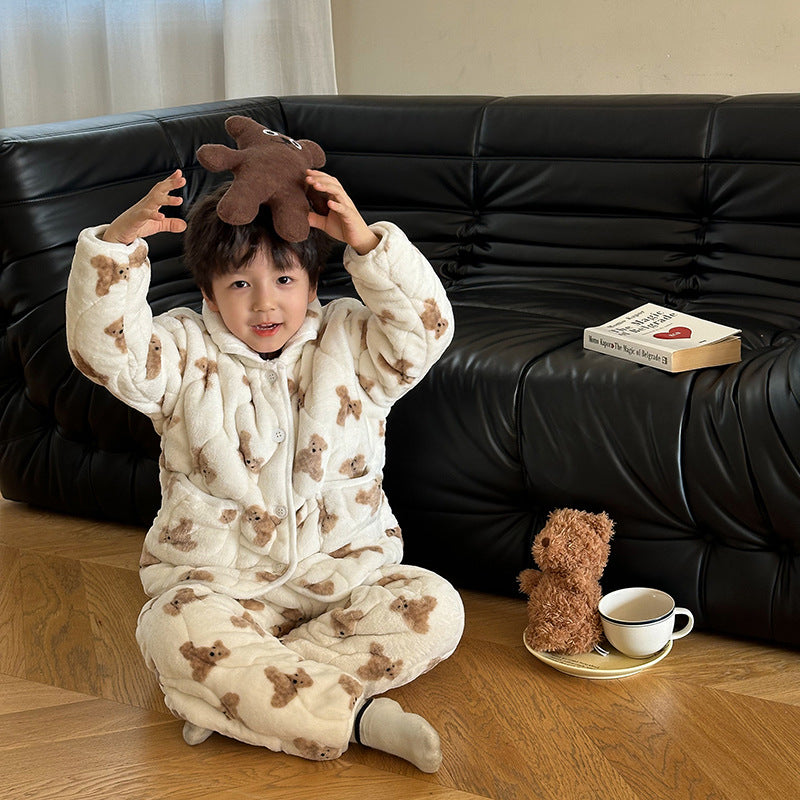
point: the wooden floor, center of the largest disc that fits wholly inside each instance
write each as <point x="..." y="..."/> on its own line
<point x="80" y="716"/>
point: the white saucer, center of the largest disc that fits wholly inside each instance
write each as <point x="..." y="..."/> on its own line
<point x="596" y="667"/>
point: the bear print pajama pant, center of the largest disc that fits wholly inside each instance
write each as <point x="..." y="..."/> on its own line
<point x="288" y="672"/>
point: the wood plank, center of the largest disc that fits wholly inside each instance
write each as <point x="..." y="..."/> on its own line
<point x="69" y="725"/>
<point x="499" y="620"/>
<point x="12" y="646"/>
<point x="127" y="559"/>
<point x="347" y="780"/>
<point x="719" y="728"/>
<point x="23" y="695"/>
<point x="31" y="529"/>
<point x="654" y="764"/>
<point x="741" y="666"/>
<point x="72" y="762"/>
<point x="293" y="779"/>
<point x="57" y="632"/>
<point x="490" y="708"/>
<point x="154" y="762"/>
<point x="114" y="598"/>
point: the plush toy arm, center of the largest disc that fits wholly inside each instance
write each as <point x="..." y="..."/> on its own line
<point x="316" y="153"/>
<point x="219" y="157"/>
<point x="240" y="204"/>
<point x="528" y="580"/>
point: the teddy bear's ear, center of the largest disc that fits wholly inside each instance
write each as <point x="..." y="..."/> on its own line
<point x="603" y="526"/>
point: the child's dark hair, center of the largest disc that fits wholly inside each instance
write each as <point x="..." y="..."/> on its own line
<point x="213" y="247"/>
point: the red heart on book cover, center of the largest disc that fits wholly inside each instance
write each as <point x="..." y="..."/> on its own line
<point x="679" y="332"/>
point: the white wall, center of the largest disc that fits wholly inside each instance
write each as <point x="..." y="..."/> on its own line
<point x="504" y="47"/>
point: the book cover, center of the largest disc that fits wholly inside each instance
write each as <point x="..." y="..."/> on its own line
<point x="666" y="339"/>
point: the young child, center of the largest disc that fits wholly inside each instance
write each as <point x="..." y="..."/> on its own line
<point x="279" y="607"/>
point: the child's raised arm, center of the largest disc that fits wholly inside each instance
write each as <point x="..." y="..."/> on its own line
<point x="145" y="217"/>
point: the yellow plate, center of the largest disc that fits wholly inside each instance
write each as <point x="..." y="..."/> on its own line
<point x="596" y="667"/>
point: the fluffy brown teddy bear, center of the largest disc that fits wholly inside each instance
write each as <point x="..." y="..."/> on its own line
<point x="571" y="552"/>
<point x="268" y="168"/>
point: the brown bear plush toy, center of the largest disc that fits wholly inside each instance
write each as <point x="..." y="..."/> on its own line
<point x="268" y="168"/>
<point x="571" y="551"/>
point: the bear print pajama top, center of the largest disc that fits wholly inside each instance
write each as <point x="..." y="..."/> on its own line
<point x="278" y="600"/>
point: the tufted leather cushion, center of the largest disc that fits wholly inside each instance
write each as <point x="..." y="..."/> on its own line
<point x="542" y="216"/>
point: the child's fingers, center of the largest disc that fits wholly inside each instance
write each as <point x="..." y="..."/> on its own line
<point x="339" y="208"/>
<point x="338" y="199"/>
<point x="174" y="225"/>
<point x="161" y="191"/>
<point x="171" y="200"/>
<point x="324" y="182"/>
<point x="176" y="179"/>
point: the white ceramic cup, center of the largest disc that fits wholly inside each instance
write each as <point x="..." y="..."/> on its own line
<point x="639" y="622"/>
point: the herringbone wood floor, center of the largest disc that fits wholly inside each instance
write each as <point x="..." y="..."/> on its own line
<point x="80" y="716"/>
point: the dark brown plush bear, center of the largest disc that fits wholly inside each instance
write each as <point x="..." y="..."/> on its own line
<point x="268" y="168"/>
<point x="571" y="551"/>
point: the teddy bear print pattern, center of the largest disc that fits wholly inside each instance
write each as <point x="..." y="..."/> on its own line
<point x="265" y="465"/>
<point x="272" y="490"/>
<point x="111" y="270"/>
<point x="271" y="675"/>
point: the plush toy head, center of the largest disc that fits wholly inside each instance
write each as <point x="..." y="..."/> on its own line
<point x="268" y="168"/>
<point x="574" y="542"/>
<point x="571" y="552"/>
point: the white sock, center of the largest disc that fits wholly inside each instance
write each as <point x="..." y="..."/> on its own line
<point x="192" y="734"/>
<point x="382" y="724"/>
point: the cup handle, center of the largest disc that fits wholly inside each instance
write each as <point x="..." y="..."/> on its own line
<point x="686" y="628"/>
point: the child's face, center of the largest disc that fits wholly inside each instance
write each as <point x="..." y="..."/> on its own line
<point x="260" y="304"/>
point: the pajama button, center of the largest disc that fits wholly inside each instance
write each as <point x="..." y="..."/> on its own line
<point x="279" y="435"/>
<point x="281" y="511"/>
<point x="272" y="377"/>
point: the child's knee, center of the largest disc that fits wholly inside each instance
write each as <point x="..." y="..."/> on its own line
<point x="191" y="615"/>
<point x="423" y="599"/>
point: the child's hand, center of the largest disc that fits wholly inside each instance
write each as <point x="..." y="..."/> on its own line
<point x="145" y="218"/>
<point x="343" y="222"/>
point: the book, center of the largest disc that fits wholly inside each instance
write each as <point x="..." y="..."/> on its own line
<point x="666" y="339"/>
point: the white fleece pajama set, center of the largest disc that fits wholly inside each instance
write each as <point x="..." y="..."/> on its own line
<point x="278" y="600"/>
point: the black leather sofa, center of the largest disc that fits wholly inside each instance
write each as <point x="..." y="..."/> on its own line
<point x="543" y="215"/>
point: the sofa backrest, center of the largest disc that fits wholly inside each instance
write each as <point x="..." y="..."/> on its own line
<point x="687" y="198"/>
<point x="692" y="199"/>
